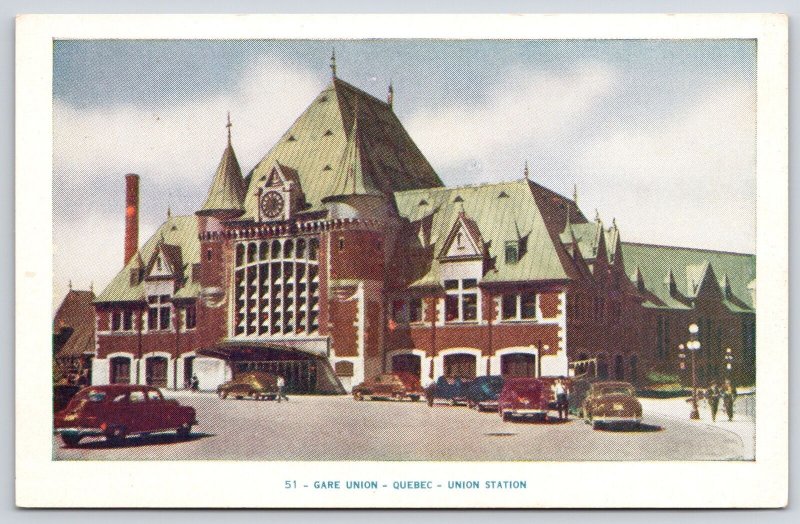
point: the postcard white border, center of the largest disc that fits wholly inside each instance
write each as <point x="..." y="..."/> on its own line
<point x="42" y="482"/>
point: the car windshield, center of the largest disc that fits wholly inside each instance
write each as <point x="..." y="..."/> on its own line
<point x="96" y="396"/>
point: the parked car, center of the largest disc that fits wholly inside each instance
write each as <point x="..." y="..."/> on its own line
<point x="612" y="403"/>
<point x="453" y="390"/>
<point x="119" y="410"/>
<point x="523" y="397"/>
<point x="396" y="386"/>
<point x="482" y="392"/>
<point x="257" y="385"/>
<point x="578" y="391"/>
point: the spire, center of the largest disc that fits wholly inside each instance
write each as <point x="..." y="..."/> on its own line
<point x="575" y="193"/>
<point x="333" y="63"/>
<point x="70" y="284"/>
<point x="226" y="195"/>
<point x="390" y="96"/>
<point x="525" y="172"/>
<point x="596" y="215"/>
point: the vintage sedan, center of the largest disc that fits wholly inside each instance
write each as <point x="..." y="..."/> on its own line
<point x="482" y="392"/>
<point x="256" y="385"/>
<point x="612" y="403"/>
<point x="524" y="397"/>
<point x="451" y="389"/>
<point x="395" y="386"/>
<point x="116" y="411"/>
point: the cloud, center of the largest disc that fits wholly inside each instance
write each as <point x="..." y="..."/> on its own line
<point x="687" y="179"/>
<point x="182" y="139"/>
<point x="526" y="112"/>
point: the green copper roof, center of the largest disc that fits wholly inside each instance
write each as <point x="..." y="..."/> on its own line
<point x="504" y="212"/>
<point x="690" y="268"/>
<point x="355" y="174"/>
<point x="178" y="231"/>
<point x="318" y="141"/>
<point x="227" y="189"/>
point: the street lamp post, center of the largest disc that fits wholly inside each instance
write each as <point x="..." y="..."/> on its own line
<point x="693" y="345"/>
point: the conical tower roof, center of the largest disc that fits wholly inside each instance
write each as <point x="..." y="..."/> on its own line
<point x="227" y="190"/>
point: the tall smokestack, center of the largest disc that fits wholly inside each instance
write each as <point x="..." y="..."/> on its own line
<point x="131" y="216"/>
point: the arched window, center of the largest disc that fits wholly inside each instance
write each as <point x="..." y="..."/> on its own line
<point x="251" y="252"/>
<point x="263" y="251"/>
<point x="288" y="248"/>
<point x="634" y="365"/>
<point x="276" y="249"/>
<point x="602" y="366"/>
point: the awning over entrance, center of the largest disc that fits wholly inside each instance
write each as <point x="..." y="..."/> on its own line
<point x="304" y="371"/>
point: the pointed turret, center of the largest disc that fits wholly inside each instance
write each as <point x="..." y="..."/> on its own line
<point x="227" y="191"/>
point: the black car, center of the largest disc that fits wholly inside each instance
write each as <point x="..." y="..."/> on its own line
<point x="483" y="392"/>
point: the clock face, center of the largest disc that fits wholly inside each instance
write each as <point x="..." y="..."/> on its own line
<point x="271" y="204"/>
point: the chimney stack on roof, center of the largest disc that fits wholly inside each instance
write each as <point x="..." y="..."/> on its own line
<point x="131" y="216"/>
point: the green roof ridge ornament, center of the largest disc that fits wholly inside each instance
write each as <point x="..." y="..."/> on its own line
<point x="333" y="63"/>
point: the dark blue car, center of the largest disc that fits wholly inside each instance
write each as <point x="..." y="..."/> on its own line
<point x="483" y="392"/>
<point x="453" y="390"/>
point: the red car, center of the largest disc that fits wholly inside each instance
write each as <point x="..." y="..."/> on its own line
<point x="396" y="386"/>
<point x="116" y="411"/>
<point x="524" y="397"/>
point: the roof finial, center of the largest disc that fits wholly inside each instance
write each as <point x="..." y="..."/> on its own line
<point x="390" y="96"/>
<point x="575" y="193"/>
<point x="569" y="218"/>
<point x="525" y="172"/>
<point x="614" y="222"/>
<point x="91" y="286"/>
<point x="596" y="215"/>
<point x="169" y="212"/>
<point x="70" y="284"/>
<point x="229" y="126"/>
<point x="333" y="63"/>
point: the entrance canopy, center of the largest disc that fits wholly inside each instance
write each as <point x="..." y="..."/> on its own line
<point x="305" y="371"/>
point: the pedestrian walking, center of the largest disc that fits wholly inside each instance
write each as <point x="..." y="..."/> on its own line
<point x="281" y="385"/>
<point x="562" y="401"/>
<point x="195" y="386"/>
<point x="728" y="398"/>
<point x="712" y="397"/>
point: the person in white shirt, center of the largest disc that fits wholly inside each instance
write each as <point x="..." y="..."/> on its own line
<point x="562" y="403"/>
<point x="281" y="385"/>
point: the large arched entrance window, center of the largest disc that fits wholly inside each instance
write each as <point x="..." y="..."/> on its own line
<point x="461" y="365"/>
<point x="518" y="365"/>
<point x="120" y="372"/>
<point x="156" y="372"/>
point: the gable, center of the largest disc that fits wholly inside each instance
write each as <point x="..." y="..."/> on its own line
<point x="461" y="243"/>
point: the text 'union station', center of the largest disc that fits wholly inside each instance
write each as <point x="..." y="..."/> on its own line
<point x="340" y="255"/>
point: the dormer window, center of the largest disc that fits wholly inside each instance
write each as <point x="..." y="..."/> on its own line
<point x="461" y="300"/>
<point x="512" y="252"/>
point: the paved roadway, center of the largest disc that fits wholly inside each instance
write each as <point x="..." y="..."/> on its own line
<point x="339" y="428"/>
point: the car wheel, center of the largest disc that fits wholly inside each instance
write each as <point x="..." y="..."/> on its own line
<point x="506" y="416"/>
<point x="184" y="431"/>
<point x="414" y="398"/>
<point x="596" y="424"/>
<point x="70" y="440"/>
<point x="116" y="436"/>
<point x="429" y="398"/>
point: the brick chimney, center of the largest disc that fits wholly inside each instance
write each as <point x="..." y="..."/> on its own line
<point x="131" y="216"/>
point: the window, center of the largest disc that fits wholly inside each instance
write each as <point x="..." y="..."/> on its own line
<point x="398" y="307"/>
<point x="136" y="396"/>
<point x="341" y="243"/>
<point x="127" y="320"/>
<point x="512" y="252"/>
<point x="115" y="320"/>
<point x="159" y="312"/>
<point x="191" y="317"/>
<point x="616" y="311"/>
<point x="519" y="306"/>
<point x="415" y="310"/>
<point x="461" y="300"/>
<point x="153" y="395"/>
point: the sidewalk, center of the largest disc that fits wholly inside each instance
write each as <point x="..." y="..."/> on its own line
<point x="743" y="424"/>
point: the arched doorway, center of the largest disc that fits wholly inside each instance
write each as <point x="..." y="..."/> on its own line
<point x="634" y="365"/>
<point x="120" y="372"/>
<point x="156" y="372"/>
<point x="602" y="366"/>
<point x="407" y="363"/>
<point x="461" y="365"/>
<point x="518" y="365"/>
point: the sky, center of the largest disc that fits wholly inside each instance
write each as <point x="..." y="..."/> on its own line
<point x="658" y="135"/>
